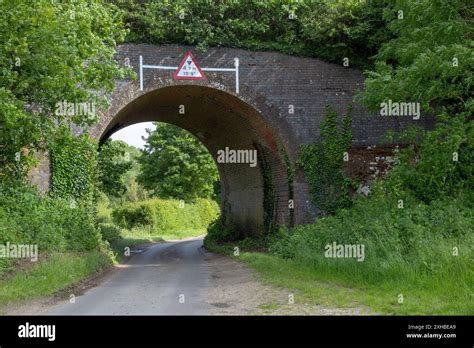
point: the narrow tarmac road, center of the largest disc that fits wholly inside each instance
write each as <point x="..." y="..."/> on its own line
<point x="170" y="278"/>
<point x="178" y="278"/>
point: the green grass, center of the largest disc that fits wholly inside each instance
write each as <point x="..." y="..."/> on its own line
<point x="269" y="306"/>
<point x="422" y="253"/>
<point x="56" y="272"/>
<point x="317" y="286"/>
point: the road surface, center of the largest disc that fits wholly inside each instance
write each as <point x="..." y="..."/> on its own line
<point x="178" y="278"/>
<point x="169" y="278"/>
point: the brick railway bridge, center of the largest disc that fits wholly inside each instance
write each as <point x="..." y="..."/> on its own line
<point x="280" y="105"/>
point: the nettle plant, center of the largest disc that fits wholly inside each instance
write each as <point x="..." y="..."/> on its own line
<point x="323" y="163"/>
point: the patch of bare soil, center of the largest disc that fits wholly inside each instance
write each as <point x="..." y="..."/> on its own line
<point x="236" y="290"/>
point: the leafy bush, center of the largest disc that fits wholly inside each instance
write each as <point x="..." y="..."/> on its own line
<point x="109" y="232"/>
<point x="130" y="215"/>
<point x="442" y="165"/>
<point x="415" y="241"/>
<point x="328" y="29"/>
<point x="103" y="211"/>
<point x="165" y="215"/>
<point x="218" y="232"/>
<point x="222" y="238"/>
<point x="54" y="224"/>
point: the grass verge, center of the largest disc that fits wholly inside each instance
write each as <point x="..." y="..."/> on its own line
<point x="56" y="272"/>
<point x="316" y="286"/>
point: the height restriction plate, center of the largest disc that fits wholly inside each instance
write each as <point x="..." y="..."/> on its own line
<point x="189" y="69"/>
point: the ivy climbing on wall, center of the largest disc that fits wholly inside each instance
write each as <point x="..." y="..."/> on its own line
<point x="290" y="173"/>
<point x="73" y="166"/>
<point x="268" y="190"/>
<point x="323" y="163"/>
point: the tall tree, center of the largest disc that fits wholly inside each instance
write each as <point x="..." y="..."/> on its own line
<point x="52" y="52"/>
<point x="430" y="58"/>
<point x="175" y="164"/>
<point x="430" y="61"/>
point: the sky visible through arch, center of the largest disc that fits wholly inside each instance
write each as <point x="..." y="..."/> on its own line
<point x="133" y="134"/>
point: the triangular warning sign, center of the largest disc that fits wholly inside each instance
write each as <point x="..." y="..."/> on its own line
<point x="189" y="69"/>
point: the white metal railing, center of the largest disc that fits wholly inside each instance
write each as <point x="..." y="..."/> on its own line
<point x="163" y="67"/>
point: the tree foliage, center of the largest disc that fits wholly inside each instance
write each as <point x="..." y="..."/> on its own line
<point x="175" y="164"/>
<point x="431" y="61"/>
<point x="51" y="52"/>
<point x="112" y="166"/>
<point x="328" y="29"/>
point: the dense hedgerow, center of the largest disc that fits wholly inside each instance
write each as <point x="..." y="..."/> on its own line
<point x="327" y="29"/>
<point x="109" y="232"/>
<point x="166" y="215"/>
<point x="54" y="224"/>
<point x="417" y="240"/>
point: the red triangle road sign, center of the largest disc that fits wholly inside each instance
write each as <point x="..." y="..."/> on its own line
<point x="189" y="69"/>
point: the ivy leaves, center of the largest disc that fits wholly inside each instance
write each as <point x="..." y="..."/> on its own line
<point x="323" y="162"/>
<point x="73" y="166"/>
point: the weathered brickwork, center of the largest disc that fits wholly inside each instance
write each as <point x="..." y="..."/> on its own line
<point x="40" y="175"/>
<point x="272" y="85"/>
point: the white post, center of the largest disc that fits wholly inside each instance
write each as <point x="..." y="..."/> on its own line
<point x="236" y="64"/>
<point x="141" y="73"/>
